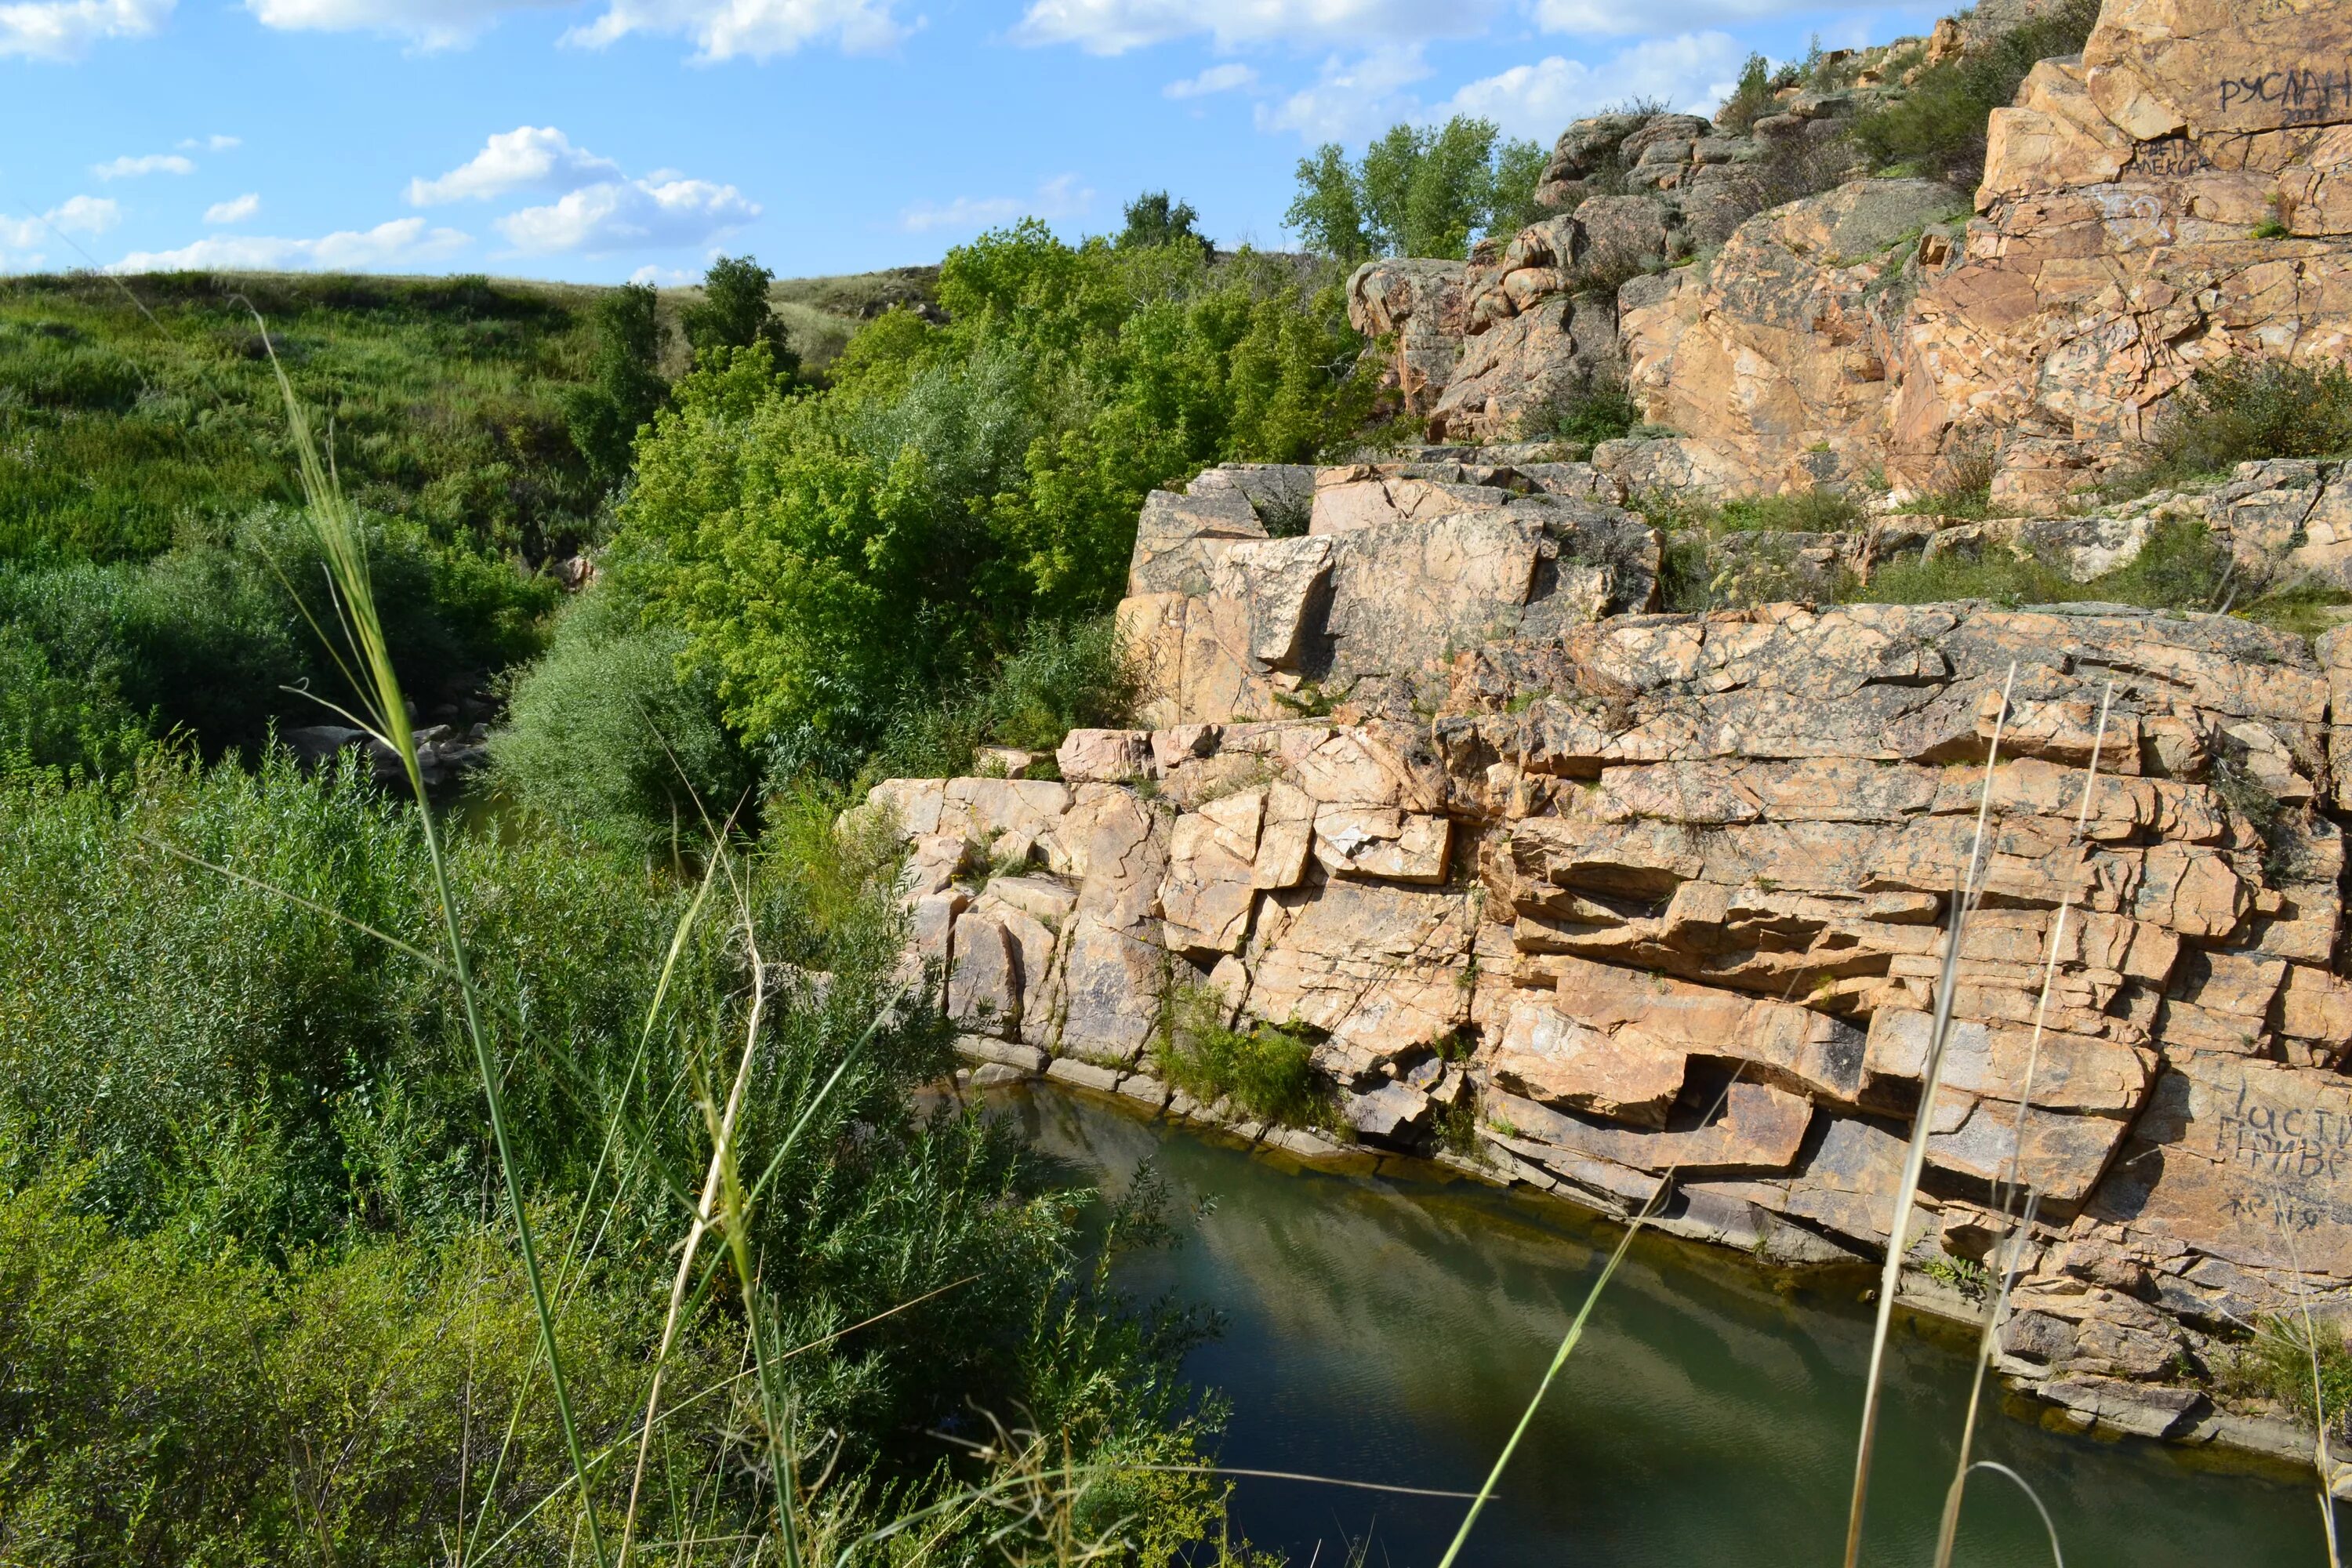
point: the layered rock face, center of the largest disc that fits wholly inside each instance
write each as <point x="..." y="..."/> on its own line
<point x="1484" y="349"/>
<point x="1652" y="906"/>
<point x="2177" y="194"/>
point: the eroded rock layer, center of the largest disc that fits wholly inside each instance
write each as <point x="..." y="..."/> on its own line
<point x="1650" y="908"/>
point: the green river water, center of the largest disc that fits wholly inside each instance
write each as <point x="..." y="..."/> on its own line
<point x="1390" y="1329"/>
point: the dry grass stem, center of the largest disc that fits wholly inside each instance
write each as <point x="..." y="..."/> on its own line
<point x="1906" y="1191"/>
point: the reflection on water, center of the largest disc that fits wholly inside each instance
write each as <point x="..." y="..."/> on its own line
<point x="1392" y="1329"/>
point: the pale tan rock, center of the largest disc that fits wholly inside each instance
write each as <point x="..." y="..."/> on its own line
<point x="2071" y="1073"/>
<point x="1285" y="837"/>
<point x="1545" y="1055"/>
<point x="1381" y="843"/>
<point x="983" y="977"/>
<point x="2244" y="1161"/>
<point x="2315" y="1005"/>
<point x="1378" y="967"/>
<point x="1104" y="757"/>
<point x="1111" y="991"/>
<point x="1209" y="890"/>
<point x="914" y="804"/>
<point x="1421" y="304"/>
<point x="1118" y="847"/>
<point x="1761" y="1128"/>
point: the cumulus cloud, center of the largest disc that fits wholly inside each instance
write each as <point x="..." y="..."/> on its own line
<point x="1059" y="197"/>
<point x="235" y="210"/>
<point x="211" y="143"/>
<point x="79" y="214"/>
<point x="1352" y="98"/>
<point x="403" y="242"/>
<point x="426" y="24"/>
<point x="631" y="215"/>
<point x="664" y="276"/>
<point x="1229" y="78"/>
<point x="1114" y="27"/>
<point x="127" y="167"/>
<point x="65" y="29"/>
<point x="724" y="29"/>
<point x="1694" y="71"/>
<point x="529" y="157"/>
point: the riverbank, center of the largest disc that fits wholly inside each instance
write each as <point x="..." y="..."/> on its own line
<point x="1940" y="1309"/>
<point x="1385" y="1326"/>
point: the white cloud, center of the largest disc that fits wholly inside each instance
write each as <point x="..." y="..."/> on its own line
<point x="127" y="167"/>
<point x="64" y="29"/>
<point x="1059" y="197"/>
<point x="426" y="24"/>
<point x="1114" y="27"/>
<point x="78" y="214"/>
<point x="629" y="215"/>
<point x="211" y="143"/>
<point x="665" y="276"/>
<point x="401" y="242"/>
<point x="1225" y="77"/>
<point x="529" y="157"/>
<point x="725" y="29"/>
<point x="236" y="210"/>
<point x="1352" y="98"/>
<point x="1694" y="71"/>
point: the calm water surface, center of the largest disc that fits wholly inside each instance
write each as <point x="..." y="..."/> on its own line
<point x="1392" y="1329"/>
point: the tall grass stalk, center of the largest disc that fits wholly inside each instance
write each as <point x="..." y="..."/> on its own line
<point x="1906" y="1191"/>
<point x="2005" y="1194"/>
<point x="2320" y="1459"/>
<point x="1569" y="1341"/>
<point x="366" y="662"/>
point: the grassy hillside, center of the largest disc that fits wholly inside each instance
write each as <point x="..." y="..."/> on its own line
<point x="136" y="412"/>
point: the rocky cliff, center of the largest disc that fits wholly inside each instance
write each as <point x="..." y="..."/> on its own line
<point x="1427" y="786"/>
<point x="2175" y="194"/>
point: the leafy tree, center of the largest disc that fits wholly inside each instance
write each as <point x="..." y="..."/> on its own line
<point x="624" y="381"/>
<point x="1416" y="191"/>
<point x="1750" y="100"/>
<point x="1328" y="214"/>
<point x="1152" y="219"/>
<point x="734" y="313"/>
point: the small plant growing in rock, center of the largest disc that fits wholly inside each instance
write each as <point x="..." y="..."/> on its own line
<point x="1266" y="1071"/>
<point x="2250" y="408"/>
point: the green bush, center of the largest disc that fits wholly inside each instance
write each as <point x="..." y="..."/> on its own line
<point x="1063" y="678"/>
<point x="609" y="736"/>
<point x="208" y="639"/>
<point x="839" y="557"/>
<point x="237" y="1129"/>
<point x="1268" y="1072"/>
<point x="2276" y="1364"/>
<point x="2245" y="409"/>
<point x="1937" y="127"/>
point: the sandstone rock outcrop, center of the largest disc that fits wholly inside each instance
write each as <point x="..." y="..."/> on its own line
<point x="2174" y="197"/>
<point x="1657" y="902"/>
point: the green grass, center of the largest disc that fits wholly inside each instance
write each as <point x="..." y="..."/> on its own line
<point x="441" y="396"/>
<point x="820" y="314"/>
<point x="1268" y="1072"/>
<point x="2245" y="410"/>
<point x="1937" y="129"/>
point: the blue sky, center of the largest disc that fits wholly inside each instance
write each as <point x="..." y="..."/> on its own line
<point x="599" y="139"/>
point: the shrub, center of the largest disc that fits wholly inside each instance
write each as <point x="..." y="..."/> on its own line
<point x="1268" y="1072"/>
<point x="1602" y="411"/>
<point x="2245" y="409"/>
<point x="838" y="556"/>
<point x="610" y="736"/>
<point x="2275" y="1363"/>
<point x="1750" y="100"/>
<point x="1817" y="510"/>
<point x="1063" y="678"/>
<point x="1937" y="127"/>
<point x="734" y="313"/>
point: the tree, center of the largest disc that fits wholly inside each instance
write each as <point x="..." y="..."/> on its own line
<point x="1416" y="191"/>
<point x="625" y="383"/>
<point x="735" y="313"/>
<point x="1327" y="214"/>
<point x="1151" y="219"/>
